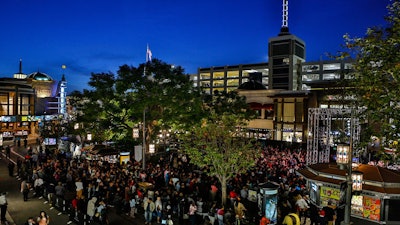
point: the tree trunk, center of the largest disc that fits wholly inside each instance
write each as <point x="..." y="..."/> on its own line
<point x="223" y="191"/>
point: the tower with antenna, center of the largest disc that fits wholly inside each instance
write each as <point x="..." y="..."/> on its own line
<point x="62" y="99"/>
<point x="20" y="74"/>
<point x="286" y="52"/>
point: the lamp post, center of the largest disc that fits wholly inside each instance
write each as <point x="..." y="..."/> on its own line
<point x="144" y="140"/>
<point x="354" y="179"/>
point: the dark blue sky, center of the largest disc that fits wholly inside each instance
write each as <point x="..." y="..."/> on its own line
<point x="101" y="35"/>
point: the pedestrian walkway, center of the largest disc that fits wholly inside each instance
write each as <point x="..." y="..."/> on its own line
<point x="19" y="211"/>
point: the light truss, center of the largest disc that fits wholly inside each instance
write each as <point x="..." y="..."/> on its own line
<point x="320" y="132"/>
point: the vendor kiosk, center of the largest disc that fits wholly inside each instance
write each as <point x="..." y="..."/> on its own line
<point x="378" y="202"/>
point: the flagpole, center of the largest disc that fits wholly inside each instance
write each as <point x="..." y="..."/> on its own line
<point x="148" y="58"/>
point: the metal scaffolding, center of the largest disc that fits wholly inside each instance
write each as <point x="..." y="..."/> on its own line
<point x="320" y="134"/>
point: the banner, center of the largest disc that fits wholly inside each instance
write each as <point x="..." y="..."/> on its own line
<point x="138" y="153"/>
<point x="332" y="193"/>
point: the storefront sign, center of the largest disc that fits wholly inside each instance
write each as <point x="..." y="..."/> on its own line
<point x="332" y="193"/>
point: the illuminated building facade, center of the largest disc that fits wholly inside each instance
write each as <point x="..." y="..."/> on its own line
<point x="287" y="86"/>
<point x="26" y="100"/>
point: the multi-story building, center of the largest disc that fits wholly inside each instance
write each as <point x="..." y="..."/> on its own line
<point x="27" y="101"/>
<point x="287" y="86"/>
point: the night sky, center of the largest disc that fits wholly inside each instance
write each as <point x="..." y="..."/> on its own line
<point x="101" y="35"/>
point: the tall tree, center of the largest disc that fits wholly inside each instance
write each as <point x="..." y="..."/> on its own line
<point x="219" y="144"/>
<point x="164" y="93"/>
<point x="377" y="66"/>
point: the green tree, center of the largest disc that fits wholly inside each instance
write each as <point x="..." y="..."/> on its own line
<point x="219" y="145"/>
<point x="116" y="103"/>
<point x="377" y="66"/>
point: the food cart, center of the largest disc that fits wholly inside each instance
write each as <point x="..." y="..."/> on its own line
<point x="378" y="202"/>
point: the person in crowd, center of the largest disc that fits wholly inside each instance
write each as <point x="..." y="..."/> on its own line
<point x="302" y="207"/>
<point x="30" y="221"/>
<point x="220" y="215"/>
<point x="102" y="213"/>
<point x="213" y="191"/>
<point x="50" y="190"/>
<point x="3" y="207"/>
<point x="322" y="217"/>
<point x="264" y="220"/>
<point x="43" y="218"/>
<point x="8" y="151"/>
<point x="38" y="186"/>
<point x="132" y="205"/>
<point x="239" y="208"/>
<point x="314" y="214"/>
<point x="11" y="167"/>
<point x="25" y="186"/>
<point x="60" y="190"/>
<point x="79" y="187"/>
<point x="91" y="208"/>
<point x="159" y="208"/>
<point x="330" y="213"/>
<point x="25" y="143"/>
<point x="292" y="218"/>
<point x="149" y="208"/>
<point x="192" y="213"/>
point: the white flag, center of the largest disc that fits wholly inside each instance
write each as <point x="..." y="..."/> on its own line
<point x="148" y="54"/>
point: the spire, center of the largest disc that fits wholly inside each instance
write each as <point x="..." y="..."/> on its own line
<point x="285" y="18"/>
<point x="20" y="66"/>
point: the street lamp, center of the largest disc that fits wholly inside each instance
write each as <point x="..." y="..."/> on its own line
<point x="354" y="179"/>
<point x="144" y="140"/>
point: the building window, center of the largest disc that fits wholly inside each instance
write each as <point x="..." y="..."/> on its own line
<point x="331" y="76"/>
<point x="232" y="74"/>
<point x="205" y="83"/>
<point x="310" y="68"/>
<point x="288" y="112"/>
<point x="233" y="82"/>
<point x="310" y="77"/>
<point x="332" y="66"/>
<point x="205" y="76"/>
<point x="218" y="75"/>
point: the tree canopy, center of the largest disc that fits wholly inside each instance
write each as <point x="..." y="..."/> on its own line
<point x="219" y="145"/>
<point x="116" y="103"/>
<point x="376" y="78"/>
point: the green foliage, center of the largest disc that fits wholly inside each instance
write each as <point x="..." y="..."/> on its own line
<point x="218" y="144"/>
<point x="377" y="76"/>
<point x="116" y="103"/>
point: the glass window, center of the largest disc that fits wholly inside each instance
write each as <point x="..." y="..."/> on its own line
<point x="232" y="74"/>
<point x="205" y="76"/>
<point x="310" y="77"/>
<point x="218" y="83"/>
<point x="233" y="82"/>
<point x="331" y="66"/>
<point x="205" y="83"/>
<point x="218" y="89"/>
<point x="265" y="80"/>
<point x="331" y="76"/>
<point x="288" y="112"/>
<point x="299" y="111"/>
<point x="310" y="68"/>
<point x="279" y="112"/>
<point x="218" y="75"/>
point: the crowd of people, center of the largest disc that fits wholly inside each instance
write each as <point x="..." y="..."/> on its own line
<point x="170" y="189"/>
